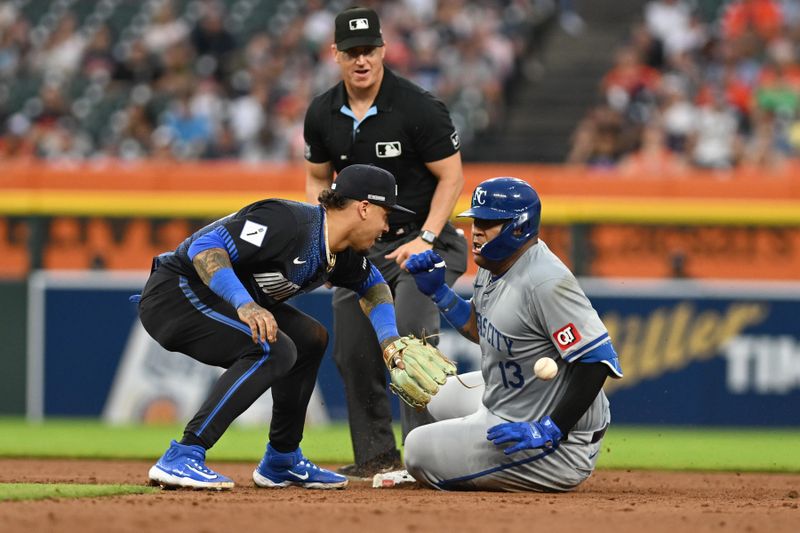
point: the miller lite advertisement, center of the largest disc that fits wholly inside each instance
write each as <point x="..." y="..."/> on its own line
<point x="693" y="353"/>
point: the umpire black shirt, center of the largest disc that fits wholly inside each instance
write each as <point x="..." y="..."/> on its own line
<point x="405" y="128"/>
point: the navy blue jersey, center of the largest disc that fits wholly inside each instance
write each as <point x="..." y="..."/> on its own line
<point x="277" y="248"/>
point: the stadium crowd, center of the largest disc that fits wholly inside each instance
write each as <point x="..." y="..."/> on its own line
<point x="208" y="79"/>
<point x="699" y="84"/>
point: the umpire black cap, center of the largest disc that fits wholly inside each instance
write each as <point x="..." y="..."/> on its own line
<point x="368" y="182"/>
<point x="357" y="26"/>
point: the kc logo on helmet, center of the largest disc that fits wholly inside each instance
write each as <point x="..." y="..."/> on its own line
<point x="480" y="196"/>
<point x="567" y="336"/>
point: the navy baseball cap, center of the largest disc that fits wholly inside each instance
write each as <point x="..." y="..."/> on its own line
<point x="357" y="26"/>
<point x="368" y="182"/>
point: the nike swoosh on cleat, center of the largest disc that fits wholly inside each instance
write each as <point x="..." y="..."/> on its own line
<point x="297" y="261"/>
<point x="303" y="476"/>
<point x="207" y="476"/>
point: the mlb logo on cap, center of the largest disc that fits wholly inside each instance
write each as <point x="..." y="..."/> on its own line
<point x="370" y="183"/>
<point x="359" y="24"/>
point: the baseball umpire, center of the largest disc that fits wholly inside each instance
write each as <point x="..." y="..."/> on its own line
<point x="513" y="431"/>
<point x="374" y="116"/>
<point x="220" y="298"/>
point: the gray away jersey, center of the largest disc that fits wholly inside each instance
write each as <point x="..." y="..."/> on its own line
<point x="536" y="309"/>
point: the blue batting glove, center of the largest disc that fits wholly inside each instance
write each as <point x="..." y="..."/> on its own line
<point x="527" y="435"/>
<point x="428" y="271"/>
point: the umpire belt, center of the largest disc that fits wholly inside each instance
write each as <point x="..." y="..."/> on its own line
<point x="398" y="232"/>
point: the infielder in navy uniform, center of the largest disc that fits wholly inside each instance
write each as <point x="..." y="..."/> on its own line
<point x="374" y="116"/>
<point x="219" y="298"/>
<point x="512" y="431"/>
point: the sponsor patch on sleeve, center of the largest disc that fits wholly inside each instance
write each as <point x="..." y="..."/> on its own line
<point x="253" y="233"/>
<point x="567" y="336"/>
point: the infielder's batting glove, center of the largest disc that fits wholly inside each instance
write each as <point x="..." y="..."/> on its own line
<point x="527" y="435"/>
<point x="428" y="271"/>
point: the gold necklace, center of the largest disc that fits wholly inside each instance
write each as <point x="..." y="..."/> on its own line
<point x="330" y="256"/>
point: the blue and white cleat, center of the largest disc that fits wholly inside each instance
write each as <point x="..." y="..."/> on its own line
<point x="278" y="470"/>
<point x="184" y="466"/>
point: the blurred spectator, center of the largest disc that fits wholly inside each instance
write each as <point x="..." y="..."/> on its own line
<point x="600" y="140"/>
<point x="166" y="30"/>
<point x="224" y="144"/>
<point x="718" y="99"/>
<point x="211" y="40"/>
<point x="244" y="71"/>
<point x="648" y="48"/>
<point x="761" y="18"/>
<point x="248" y="116"/>
<point x="136" y="135"/>
<point x="62" y="53"/>
<point x="53" y="108"/>
<point x="14" y="43"/>
<point x="54" y="132"/>
<point x="629" y="80"/>
<point x="15" y="143"/>
<point x="137" y="66"/>
<point x="317" y="26"/>
<point x="653" y="157"/>
<point x="178" y="74"/>
<point x="678" y="114"/>
<point x="666" y="18"/>
<point x="97" y="59"/>
<point x="673" y="24"/>
<point x="189" y="130"/>
<point x="714" y="141"/>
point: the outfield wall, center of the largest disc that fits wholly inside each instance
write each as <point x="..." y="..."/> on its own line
<point x="742" y="224"/>
<point x="13" y="304"/>
<point x="694" y="353"/>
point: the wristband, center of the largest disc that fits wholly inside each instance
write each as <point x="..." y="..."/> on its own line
<point x="227" y="286"/>
<point x="384" y="321"/>
<point x="454" y="308"/>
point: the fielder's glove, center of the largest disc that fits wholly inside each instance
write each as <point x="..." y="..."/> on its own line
<point x="425" y="369"/>
<point x="527" y="435"/>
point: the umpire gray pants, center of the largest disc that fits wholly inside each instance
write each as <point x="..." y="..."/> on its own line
<point x="358" y="355"/>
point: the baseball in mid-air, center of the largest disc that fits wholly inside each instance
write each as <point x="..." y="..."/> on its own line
<point x="545" y="368"/>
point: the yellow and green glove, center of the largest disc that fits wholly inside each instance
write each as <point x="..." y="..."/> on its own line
<point x="424" y="369"/>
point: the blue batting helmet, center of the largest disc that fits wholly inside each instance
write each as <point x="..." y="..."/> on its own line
<point x="508" y="199"/>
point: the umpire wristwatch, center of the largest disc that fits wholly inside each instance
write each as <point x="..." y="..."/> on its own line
<point x="428" y="236"/>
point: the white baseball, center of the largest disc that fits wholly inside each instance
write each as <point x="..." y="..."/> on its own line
<point x="545" y="368"/>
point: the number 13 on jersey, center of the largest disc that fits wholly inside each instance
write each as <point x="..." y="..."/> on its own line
<point x="511" y="373"/>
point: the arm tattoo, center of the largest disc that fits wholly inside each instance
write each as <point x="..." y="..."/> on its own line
<point x="208" y="262"/>
<point x="377" y="294"/>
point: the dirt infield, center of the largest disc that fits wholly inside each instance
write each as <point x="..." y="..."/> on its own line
<point x="610" y="501"/>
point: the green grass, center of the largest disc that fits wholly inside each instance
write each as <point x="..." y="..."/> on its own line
<point x="73" y="438"/>
<point x="760" y="450"/>
<point x="40" y="491"/>
<point x="667" y="448"/>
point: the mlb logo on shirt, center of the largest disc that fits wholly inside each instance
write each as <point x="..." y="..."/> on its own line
<point x="388" y="149"/>
<point x="567" y="336"/>
<point x="359" y="24"/>
<point x="455" y="139"/>
<point x="253" y="232"/>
